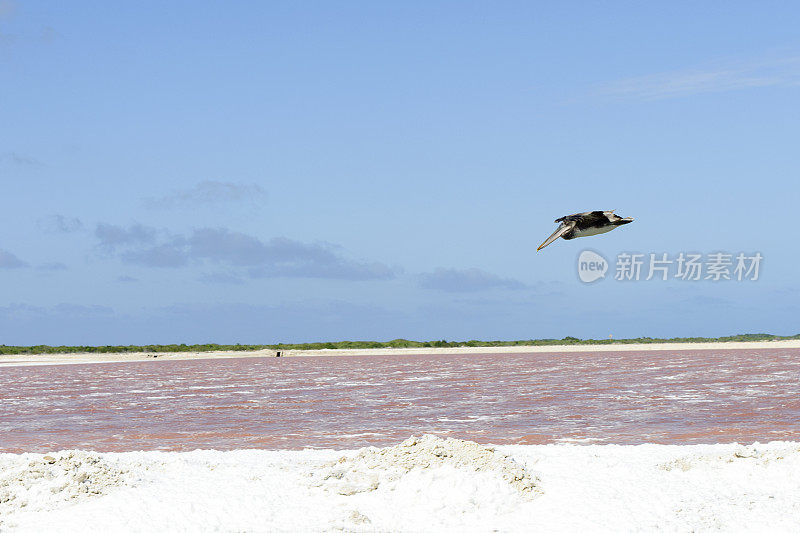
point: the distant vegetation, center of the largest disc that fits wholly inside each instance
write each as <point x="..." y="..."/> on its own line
<point x="397" y="343"/>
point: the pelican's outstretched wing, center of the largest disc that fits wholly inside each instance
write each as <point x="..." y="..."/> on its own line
<point x="562" y="229"/>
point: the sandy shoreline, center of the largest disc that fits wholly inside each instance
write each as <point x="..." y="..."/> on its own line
<point x="82" y="358"/>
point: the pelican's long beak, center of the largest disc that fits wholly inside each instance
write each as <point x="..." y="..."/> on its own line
<point x="562" y="229"/>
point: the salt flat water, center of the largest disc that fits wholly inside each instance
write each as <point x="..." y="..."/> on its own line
<point x="666" y="397"/>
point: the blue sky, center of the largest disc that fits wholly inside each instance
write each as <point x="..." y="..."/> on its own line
<point x="301" y="171"/>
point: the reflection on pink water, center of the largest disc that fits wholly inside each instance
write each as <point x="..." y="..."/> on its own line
<point x="348" y="402"/>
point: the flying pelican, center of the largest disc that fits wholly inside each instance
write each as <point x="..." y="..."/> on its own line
<point x="585" y="225"/>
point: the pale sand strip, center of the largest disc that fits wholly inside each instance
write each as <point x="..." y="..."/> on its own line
<point x="79" y="358"/>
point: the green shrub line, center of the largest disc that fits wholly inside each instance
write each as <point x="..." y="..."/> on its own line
<point x="397" y="343"/>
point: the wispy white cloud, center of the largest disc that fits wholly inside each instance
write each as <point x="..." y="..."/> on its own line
<point x="110" y="236"/>
<point x="20" y="159"/>
<point x="59" y="224"/>
<point x="17" y="311"/>
<point x="49" y="34"/>
<point x="468" y="280"/>
<point x="769" y="73"/>
<point x="223" y="278"/>
<point x="277" y="257"/>
<point x="208" y="192"/>
<point x="9" y="260"/>
<point x="52" y="266"/>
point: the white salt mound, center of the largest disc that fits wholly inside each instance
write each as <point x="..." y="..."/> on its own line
<point x="757" y="454"/>
<point x="371" y="467"/>
<point x="34" y="482"/>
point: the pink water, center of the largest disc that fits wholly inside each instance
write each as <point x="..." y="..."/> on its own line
<point x="347" y="402"/>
